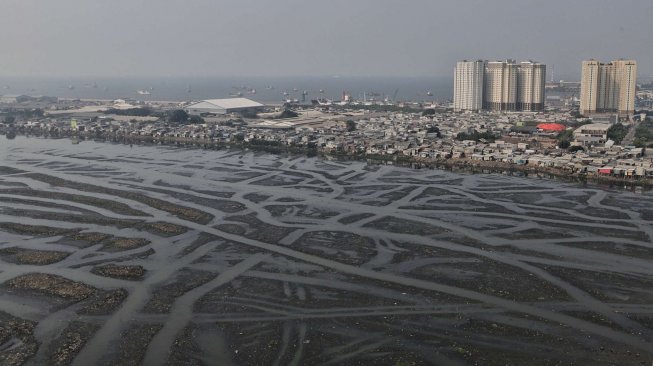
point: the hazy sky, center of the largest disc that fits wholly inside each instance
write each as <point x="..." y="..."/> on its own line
<point x="306" y="37"/>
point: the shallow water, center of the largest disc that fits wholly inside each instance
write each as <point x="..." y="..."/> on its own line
<point x="293" y="260"/>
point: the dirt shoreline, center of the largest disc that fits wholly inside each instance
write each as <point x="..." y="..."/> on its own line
<point x="472" y="166"/>
<point x="465" y="164"/>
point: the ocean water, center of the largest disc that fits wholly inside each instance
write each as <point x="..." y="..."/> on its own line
<point x="268" y="89"/>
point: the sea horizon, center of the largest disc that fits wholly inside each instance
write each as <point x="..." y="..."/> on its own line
<point x="260" y="88"/>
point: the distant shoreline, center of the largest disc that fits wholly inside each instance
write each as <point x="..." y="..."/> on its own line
<point x="262" y="89"/>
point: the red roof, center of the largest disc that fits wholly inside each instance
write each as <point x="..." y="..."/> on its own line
<point x="551" y="127"/>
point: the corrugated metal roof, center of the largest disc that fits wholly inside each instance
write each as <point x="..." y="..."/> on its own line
<point x="228" y="103"/>
<point x="203" y="105"/>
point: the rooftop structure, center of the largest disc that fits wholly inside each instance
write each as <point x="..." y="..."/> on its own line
<point x="555" y="127"/>
<point x="224" y="106"/>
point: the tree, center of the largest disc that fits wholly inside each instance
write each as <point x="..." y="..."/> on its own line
<point x="476" y="136"/>
<point x="428" y="112"/>
<point x="640" y="142"/>
<point x="10" y="119"/>
<point x="564" y="138"/>
<point x="573" y="149"/>
<point x="435" y="130"/>
<point x="139" y="111"/>
<point x="617" y="132"/>
<point x="564" y="144"/>
<point x="351" y="125"/>
<point x="196" y="119"/>
<point x="178" y="116"/>
<point x="31" y="113"/>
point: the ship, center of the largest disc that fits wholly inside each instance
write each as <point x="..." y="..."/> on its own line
<point x="322" y="101"/>
<point x="143" y="92"/>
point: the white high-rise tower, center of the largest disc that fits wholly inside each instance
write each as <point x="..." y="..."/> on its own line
<point x="531" y="78"/>
<point x="468" y="85"/>
<point x="608" y="87"/>
<point x="499" y="86"/>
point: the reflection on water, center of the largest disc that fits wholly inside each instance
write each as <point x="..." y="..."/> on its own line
<point x="156" y="254"/>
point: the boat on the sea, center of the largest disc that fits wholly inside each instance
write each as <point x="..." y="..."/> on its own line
<point x="143" y="92"/>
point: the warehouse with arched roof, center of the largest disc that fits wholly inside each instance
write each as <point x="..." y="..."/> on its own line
<point x="224" y="106"/>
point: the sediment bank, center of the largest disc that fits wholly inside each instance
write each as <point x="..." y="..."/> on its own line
<point x="453" y="164"/>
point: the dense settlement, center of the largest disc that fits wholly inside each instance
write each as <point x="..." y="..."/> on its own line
<point x="504" y="115"/>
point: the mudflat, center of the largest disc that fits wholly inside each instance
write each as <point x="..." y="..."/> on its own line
<point x="157" y="255"/>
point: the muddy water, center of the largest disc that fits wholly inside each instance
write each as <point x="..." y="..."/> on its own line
<point x="251" y="258"/>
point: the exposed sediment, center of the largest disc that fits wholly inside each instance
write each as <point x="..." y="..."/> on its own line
<point x="153" y="255"/>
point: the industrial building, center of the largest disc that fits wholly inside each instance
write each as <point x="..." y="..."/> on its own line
<point x="592" y="134"/>
<point x="224" y="106"/>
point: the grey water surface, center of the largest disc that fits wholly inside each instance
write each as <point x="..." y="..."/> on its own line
<point x="248" y="258"/>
